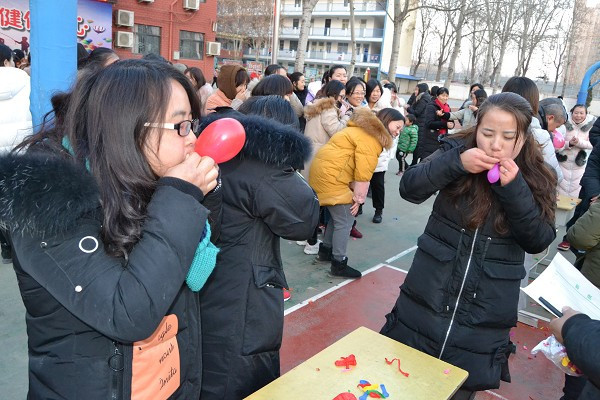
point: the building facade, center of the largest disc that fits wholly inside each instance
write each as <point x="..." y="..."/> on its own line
<point x="178" y="30"/>
<point x="585" y="42"/>
<point x="329" y="38"/>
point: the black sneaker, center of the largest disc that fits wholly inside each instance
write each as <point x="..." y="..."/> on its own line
<point x="341" y="268"/>
<point x="377" y="218"/>
<point x="324" y="254"/>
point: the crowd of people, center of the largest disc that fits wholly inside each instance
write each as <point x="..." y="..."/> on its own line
<point x="144" y="247"/>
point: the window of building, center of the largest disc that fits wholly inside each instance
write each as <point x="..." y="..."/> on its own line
<point x="281" y="42"/>
<point x="293" y="45"/>
<point x="328" y="47"/>
<point x="297" y="3"/>
<point x="146" y="39"/>
<point x="342" y="47"/>
<point x="295" y="23"/>
<point x="191" y="45"/>
<point x="346" y="2"/>
<point x="345" y="23"/>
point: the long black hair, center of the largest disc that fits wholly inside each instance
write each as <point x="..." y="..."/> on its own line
<point x="475" y="187"/>
<point x="371" y="85"/>
<point x="277" y="85"/>
<point x="331" y="89"/>
<point x="105" y="124"/>
<point x="98" y="59"/>
<point x="272" y="107"/>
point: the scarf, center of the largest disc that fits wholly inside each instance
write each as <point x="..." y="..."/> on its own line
<point x="445" y="108"/>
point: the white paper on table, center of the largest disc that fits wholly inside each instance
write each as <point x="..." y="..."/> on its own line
<point x="561" y="284"/>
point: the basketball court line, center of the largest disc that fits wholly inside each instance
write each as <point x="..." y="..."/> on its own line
<point x="496" y="395"/>
<point x="347" y="281"/>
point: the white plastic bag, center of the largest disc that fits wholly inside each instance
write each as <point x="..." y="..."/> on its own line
<point x="556" y="352"/>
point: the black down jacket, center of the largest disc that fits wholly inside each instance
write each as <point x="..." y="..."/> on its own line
<point x="581" y="335"/>
<point x="459" y="299"/>
<point x="264" y="198"/>
<point x="85" y="308"/>
<point x="433" y="123"/>
<point x="418" y="110"/>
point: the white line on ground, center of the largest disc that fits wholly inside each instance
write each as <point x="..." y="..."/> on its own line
<point x="402" y="254"/>
<point x="396" y="268"/>
<point x="318" y="296"/>
<point x="339" y="285"/>
<point x="496" y="395"/>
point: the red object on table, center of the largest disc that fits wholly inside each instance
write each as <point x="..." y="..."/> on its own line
<point x="345" y="396"/>
<point x="346" y="362"/>
<point x="221" y="140"/>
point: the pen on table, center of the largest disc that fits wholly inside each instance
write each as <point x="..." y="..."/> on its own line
<point x="550" y="307"/>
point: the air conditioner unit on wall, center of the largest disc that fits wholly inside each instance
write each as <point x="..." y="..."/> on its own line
<point x="124" y="18"/>
<point x="213" y="48"/>
<point x="124" y="39"/>
<point x="191" y="4"/>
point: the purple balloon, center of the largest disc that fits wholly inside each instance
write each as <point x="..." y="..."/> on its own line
<point x="493" y="174"/>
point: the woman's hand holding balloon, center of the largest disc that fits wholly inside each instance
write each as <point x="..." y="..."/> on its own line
<point x="508" y="171"/>
<point x="475" y="161"/>
<point x="199" y="171"/>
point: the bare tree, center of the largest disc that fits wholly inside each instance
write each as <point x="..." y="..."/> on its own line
<point x="307" y="9"/>
<point x="402" y="8"/>
<point x="493" y="21"/>
<point x="558" y="46"/>
<point x="535" y="18"/>
<point x="401" y="11"/>
<point x="508" y="10"/>
<point x="576" y="20"/>
<point x="424" y="33"/>
<point x="477" y="39"/>
<point x="458" y="28"/>
<point x="245" y="23"/>
<point x="352" y="40"/>
<point x="445" y="38"/>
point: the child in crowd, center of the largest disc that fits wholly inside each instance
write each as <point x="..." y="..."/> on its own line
<point x="407" y="142"/>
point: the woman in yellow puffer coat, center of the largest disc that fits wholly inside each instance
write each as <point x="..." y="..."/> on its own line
<point x="340" y="175"/>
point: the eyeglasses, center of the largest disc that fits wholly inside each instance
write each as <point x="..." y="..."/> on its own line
<point x="358" y="94"/>
<point x="183" y="128"/>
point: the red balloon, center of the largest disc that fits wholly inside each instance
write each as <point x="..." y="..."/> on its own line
<point x="221" y="140"/>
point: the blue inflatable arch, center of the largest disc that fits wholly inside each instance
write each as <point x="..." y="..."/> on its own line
<point x="585" y="84"/>
<point x="53" y="52"/>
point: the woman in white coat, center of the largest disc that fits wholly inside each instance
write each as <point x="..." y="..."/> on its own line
<point x="573" y="156"/>
<point x="15" y="117"/>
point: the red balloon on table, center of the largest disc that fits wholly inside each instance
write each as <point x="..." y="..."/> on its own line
<point x="221" y="140"/>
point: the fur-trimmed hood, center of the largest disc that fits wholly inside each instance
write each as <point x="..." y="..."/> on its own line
<point x="585" y="126"/>
<point x="268" y="141"/>
<point x="44" y="194"/>
<point x="318" y="106"/>
<point x="365" y="119"/>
